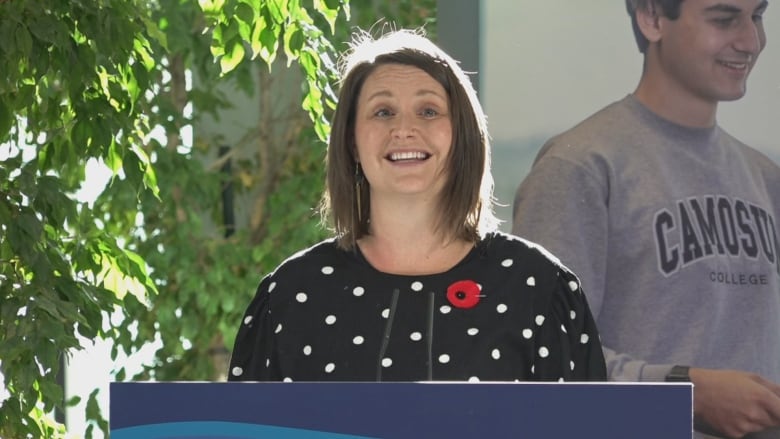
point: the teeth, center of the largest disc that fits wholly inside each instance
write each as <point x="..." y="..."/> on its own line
<point x="416" y="155"/>
<point x="734" y="65"/>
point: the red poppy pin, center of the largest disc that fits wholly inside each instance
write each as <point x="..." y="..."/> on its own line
<point x="463" y="294"/>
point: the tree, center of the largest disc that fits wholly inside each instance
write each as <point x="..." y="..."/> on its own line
<point x="73" y="76"/>
<point x="151" y="259"/>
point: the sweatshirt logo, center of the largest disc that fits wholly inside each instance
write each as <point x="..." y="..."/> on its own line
<point x="701" y="227"/>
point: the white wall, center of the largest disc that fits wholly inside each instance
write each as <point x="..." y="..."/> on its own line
<point x="548" y="64"/>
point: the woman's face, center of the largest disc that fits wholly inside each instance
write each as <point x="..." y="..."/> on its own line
<point x="403" y="133"/>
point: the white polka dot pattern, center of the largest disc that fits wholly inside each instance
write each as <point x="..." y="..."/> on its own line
<point x="330" y="324"/>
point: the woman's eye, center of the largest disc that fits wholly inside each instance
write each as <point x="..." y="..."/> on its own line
<point x="383" y="113"/>
<point x="429" y="112"/>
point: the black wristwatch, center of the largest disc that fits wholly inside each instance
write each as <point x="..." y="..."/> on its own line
<point x="678" y="374"/>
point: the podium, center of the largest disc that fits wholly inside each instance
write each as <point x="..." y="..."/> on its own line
<point x="319" y="410"/>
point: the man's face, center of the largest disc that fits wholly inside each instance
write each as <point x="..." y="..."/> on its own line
<point x="708" y="52"/>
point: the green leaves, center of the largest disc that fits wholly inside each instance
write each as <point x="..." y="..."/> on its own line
<point x="49" y="29"/>
<point x="115" y="82"/>
<point x="68" y="80"/>
<point x="141" y="48"/>
<point x="6" y="119"/>
<point x="23" y="40"/>
<point x="264" y="26"/>
<point x="263" y="40"/>
<point x="330" y="11"/>
<point x="211" y="7"/>
<point x="233" y="55"/>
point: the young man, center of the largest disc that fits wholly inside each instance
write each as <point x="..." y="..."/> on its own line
<point x="670" y="222"/>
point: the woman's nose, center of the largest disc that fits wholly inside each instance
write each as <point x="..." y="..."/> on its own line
<point x="404" y="126"/>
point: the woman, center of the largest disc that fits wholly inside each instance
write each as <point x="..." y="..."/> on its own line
<point x="417" y="284"/>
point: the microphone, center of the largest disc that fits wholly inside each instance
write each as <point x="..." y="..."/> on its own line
<point x="386" y="335"/>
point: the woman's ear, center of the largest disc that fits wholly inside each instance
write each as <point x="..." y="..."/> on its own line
<point x="649" y="22"/>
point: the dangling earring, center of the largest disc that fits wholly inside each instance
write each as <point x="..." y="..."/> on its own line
<point x="358" y="185"/>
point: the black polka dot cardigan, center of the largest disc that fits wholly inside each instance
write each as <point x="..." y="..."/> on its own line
<point x="507" y="312"/>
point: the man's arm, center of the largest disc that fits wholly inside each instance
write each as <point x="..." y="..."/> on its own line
<point x="734" y="403"/>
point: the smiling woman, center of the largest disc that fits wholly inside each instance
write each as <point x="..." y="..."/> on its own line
<point x="403" y="134"/>
<point x="373" y="72"/>
<point x="409" y="194"/>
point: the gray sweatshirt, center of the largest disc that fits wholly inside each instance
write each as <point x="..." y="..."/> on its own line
<point x="673" y="233"/>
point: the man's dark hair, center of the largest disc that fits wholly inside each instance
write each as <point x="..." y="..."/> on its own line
<point x="666" y="8"/>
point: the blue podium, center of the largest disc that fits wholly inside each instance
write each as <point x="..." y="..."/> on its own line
<point x="199" y="410"/>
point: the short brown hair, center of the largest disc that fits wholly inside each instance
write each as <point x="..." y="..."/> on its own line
<point x="467" y="201"/>
<point x="668" y="8"/>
